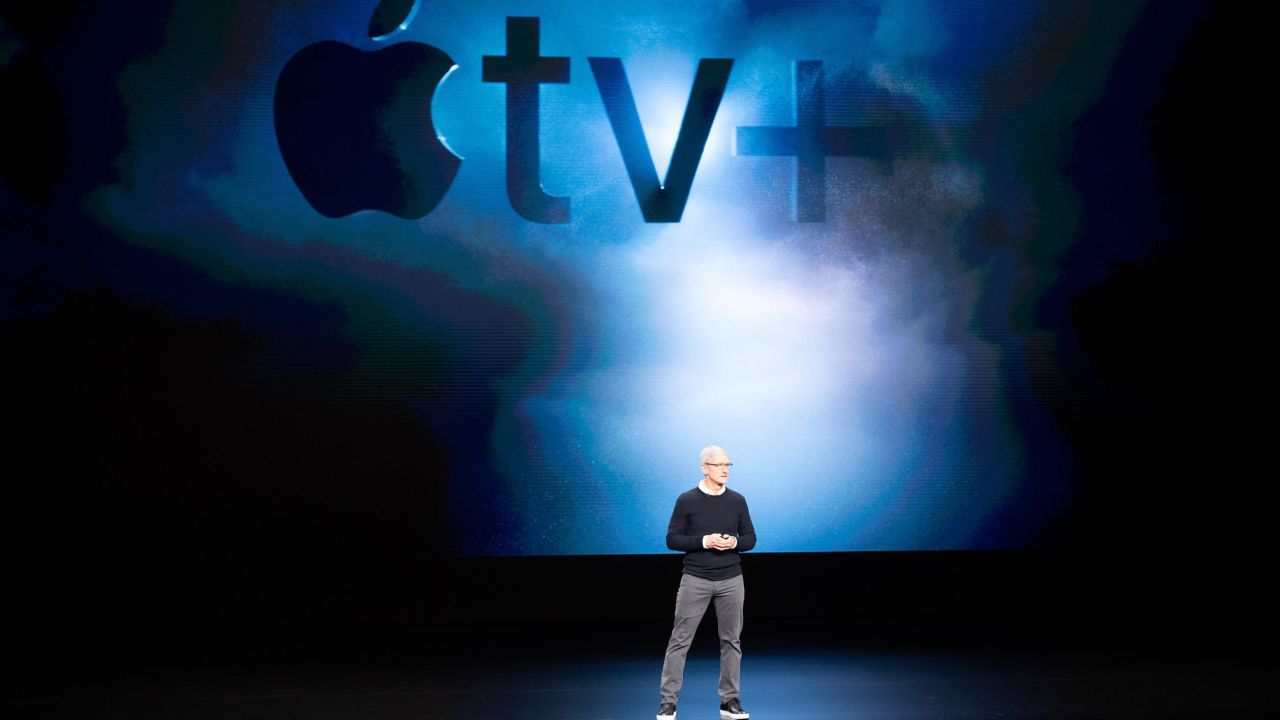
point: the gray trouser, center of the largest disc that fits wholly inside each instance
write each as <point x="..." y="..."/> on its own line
<point x="691" y="602"/>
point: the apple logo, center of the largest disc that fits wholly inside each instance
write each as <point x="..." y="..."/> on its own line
<point x="354" y="126"/>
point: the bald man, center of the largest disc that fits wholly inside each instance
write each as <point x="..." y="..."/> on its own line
<point x="712" y="525"/>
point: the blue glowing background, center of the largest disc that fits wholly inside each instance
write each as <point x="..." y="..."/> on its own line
<point x="883" y="380"/>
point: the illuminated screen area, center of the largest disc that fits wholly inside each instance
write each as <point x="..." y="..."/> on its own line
<point x="575" y="242"/>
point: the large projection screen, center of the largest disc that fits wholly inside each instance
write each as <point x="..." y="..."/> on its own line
<point x="499" y="270"/>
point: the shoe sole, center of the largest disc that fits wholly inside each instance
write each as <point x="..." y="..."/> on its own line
<point x="734" y="716"/>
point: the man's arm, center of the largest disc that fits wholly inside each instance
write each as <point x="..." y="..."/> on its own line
<point x="746" y="531"/>
<point x="678" y="537"/>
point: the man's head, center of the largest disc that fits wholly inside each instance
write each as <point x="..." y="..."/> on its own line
<point x="715" y="465"/>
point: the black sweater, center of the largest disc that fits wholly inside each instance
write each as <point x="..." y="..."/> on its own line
<point x="698" y="514"/>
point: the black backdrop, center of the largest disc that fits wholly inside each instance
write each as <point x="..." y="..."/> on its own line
<point x="1169" y="417"/>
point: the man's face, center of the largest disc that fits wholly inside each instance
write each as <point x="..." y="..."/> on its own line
<point x="716" y="469"/>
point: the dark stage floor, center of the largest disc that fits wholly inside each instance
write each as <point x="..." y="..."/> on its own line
<point x="791" y="671"/>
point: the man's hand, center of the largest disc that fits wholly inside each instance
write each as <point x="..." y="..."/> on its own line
<point x="721" y="542"/>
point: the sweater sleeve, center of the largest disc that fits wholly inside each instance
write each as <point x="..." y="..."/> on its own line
<point x="746" y="531"/>
<point x="678" y="537"/>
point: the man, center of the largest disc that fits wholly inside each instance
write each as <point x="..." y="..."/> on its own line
<point x="711" y="525"/>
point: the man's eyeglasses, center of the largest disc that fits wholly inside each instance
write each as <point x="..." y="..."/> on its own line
<point x="719" y="465"/>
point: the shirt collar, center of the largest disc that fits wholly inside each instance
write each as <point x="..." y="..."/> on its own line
<point x="713" y="494"/>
